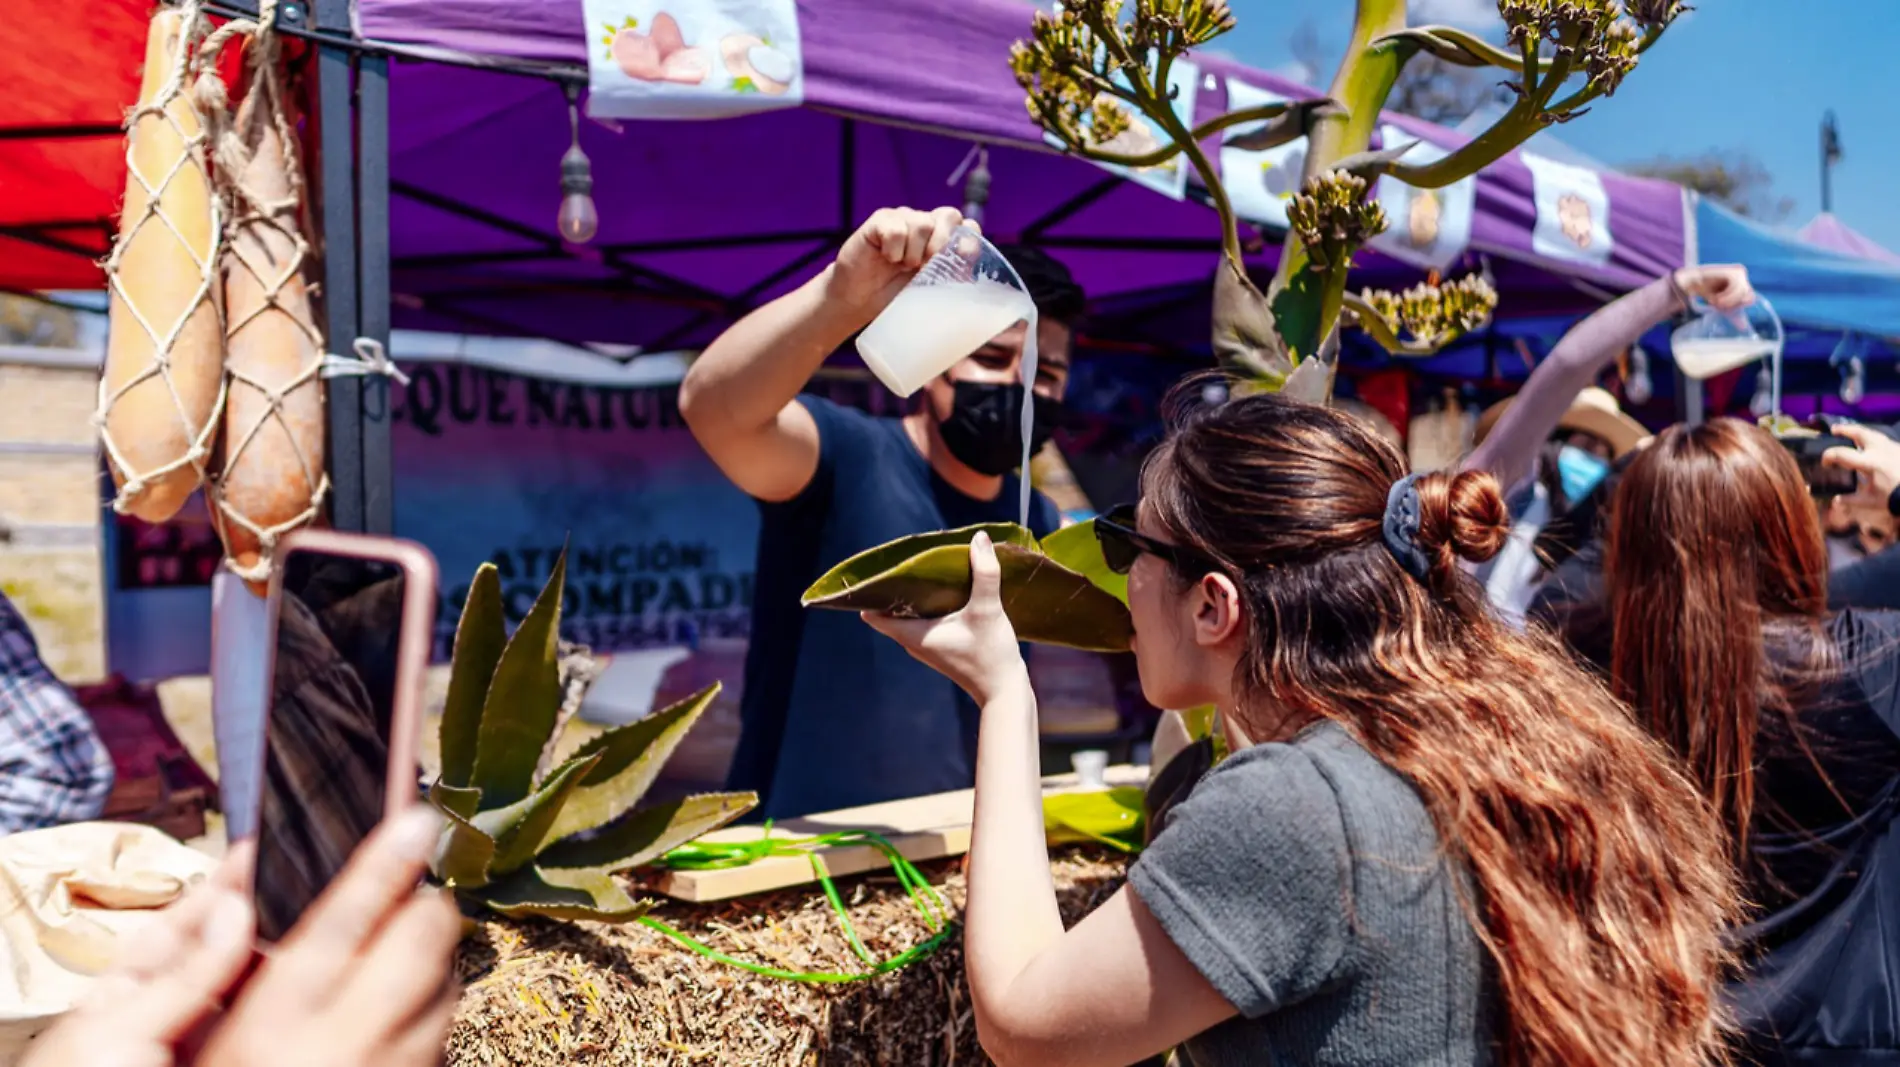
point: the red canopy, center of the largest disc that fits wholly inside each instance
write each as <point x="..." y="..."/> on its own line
<point x="73" y="70"/>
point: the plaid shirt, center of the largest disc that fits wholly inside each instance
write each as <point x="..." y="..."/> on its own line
<point x="53" y="767"/>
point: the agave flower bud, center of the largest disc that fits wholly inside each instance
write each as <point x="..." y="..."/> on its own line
<point x="1656" y="14"/>
<point x="1612" y="57"/>
<point x="1469" y="301"/>
<point x="1173" y="24"/>
<point x="1431" y="316"/>
<point x="1332" y="218"/>
<point x="1524" y="20"/>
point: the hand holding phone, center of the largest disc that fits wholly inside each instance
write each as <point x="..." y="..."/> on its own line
<point x="1874" y="456"/>
<point x="1825" y="480"/>
<point x="352" y="619"/>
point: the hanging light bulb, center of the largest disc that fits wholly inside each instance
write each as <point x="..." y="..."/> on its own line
<point x="1637" y="387"/>
<point x="1853" y="380"/>
<point x="976" y="187"/>
<point x="1847" y="359"/>
<point x="1762" y="404"/>
<point x="578" y="221"/>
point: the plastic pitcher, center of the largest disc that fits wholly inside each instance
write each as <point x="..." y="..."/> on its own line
<point x="1716" y="341"/>
<point x="967" y="294"/>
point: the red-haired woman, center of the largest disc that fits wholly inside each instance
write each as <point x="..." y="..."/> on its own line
<point x="1787" y="716"/>
<point x="1443" y="844"/>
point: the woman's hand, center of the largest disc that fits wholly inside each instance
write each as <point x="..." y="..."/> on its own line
<point x="1877" y="461"/>
<point x="879" y="259"/>
<point x="1724" y="286"/>
<point x="165" y="985"/>
<point x="363" y="979"/>
<point x="976" y="647"/>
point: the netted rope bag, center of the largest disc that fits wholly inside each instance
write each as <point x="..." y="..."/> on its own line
<point x="163" y="387"/>
<point x="269" y="476"/>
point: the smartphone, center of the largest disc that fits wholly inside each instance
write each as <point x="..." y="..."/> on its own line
<point x="1823" y="481"/>
<point x="351" y="622"/>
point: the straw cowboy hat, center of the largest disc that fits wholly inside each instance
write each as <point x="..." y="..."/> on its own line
<point x="1594" y="412"/>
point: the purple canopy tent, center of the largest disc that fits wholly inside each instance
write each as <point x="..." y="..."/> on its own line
<point x="441" y="213"/>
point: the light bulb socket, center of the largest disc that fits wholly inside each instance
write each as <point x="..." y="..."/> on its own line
<point x="577" y="173"/>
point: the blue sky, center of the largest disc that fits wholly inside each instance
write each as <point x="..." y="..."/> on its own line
<point x="1753" y="75"/>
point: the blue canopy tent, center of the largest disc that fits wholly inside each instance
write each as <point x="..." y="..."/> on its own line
<point x="1833" y="306"/>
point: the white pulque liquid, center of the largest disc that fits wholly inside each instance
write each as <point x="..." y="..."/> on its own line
<point x="1708" y="358"/>
<point x="929" y="328"/>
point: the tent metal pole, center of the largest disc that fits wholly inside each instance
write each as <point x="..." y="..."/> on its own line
<point x="372" y="298"/>
<point x="335" y="187"/>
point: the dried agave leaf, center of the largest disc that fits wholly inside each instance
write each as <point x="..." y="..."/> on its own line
<point x="928" y="576"/>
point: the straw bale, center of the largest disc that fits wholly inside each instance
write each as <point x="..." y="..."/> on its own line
<point x="587" y="993"/>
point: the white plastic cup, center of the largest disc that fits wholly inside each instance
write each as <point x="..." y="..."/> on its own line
<point x="1091" y="768"/>
<point x="967" y="294"/>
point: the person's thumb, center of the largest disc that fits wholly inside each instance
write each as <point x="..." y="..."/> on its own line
<point x="986" y="572"/>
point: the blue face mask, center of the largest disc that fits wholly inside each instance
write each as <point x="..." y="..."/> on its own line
<point x="1579" y="472"/>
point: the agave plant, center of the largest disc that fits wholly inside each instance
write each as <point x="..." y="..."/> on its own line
<point x="1087" y="69"/>
<point x="526" y="838"/>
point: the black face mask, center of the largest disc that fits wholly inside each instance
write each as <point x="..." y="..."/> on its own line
<point x="985" y="428"/>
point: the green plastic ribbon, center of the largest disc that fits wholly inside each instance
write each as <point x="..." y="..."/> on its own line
<point x="713" y="856"/>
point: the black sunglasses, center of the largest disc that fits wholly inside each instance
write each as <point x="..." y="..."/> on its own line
<point x="1122" y="545"/>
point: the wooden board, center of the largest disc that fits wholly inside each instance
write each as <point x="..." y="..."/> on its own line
<point x="921" y="828"/>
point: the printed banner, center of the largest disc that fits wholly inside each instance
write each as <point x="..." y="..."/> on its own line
<point x="1429" y="228"/>
<point x="501" y="467"/>
<point x="1573" y="212"/>
<point x="1259" y="183"/>
<point x="692" y="59"/>
<point x="1143" y="135"/>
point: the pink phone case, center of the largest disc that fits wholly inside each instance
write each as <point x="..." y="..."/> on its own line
<point x="412" y="648"/>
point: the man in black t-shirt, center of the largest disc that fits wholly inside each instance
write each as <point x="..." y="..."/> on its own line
<point x="832" y="714"/>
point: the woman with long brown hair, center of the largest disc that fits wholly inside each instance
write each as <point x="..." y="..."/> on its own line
<point x="1438" y="842"/>
<point x="1787" y="716"/>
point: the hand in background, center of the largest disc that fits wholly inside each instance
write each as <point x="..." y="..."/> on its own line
<point x="1724" y="286"/>
<point x="1877" y="461"/>
<point x="879" y="259"/>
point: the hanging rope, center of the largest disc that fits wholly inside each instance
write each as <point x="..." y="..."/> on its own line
<point x="147" y="123"/>
<point x="271" y="477"/>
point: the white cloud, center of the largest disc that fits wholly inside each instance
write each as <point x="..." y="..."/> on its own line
<point x="1469" y="14"/>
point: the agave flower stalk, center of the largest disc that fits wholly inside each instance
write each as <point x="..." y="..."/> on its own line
<point x="1088" y="72"/>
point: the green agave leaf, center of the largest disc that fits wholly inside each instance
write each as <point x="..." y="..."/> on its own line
<point x="928" y="576"/>
<point x="454" y="799"/>
<point x="647" y="834"/>
<point x="631" y="757"/>
<point x="1111" y="816"/>
<point x="464" y="855"/>
<point x="1246" y="334"/>
<point x="1077" y="548"/>
<point x="555" y="895"/>
<point x="520" y="828"/>
<point x="875" y="561"/>
<point x="479" y="639"/>
<point x="524" y="700"/>
<point x="1311" y="381"/>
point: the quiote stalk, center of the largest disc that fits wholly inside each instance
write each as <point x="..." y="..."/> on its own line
<point x="1087" y="71"/>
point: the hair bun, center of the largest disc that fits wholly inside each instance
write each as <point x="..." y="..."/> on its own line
<point x="1461" y="516"/>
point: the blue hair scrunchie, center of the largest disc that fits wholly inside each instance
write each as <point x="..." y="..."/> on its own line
<point x="1401" y="528"/>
